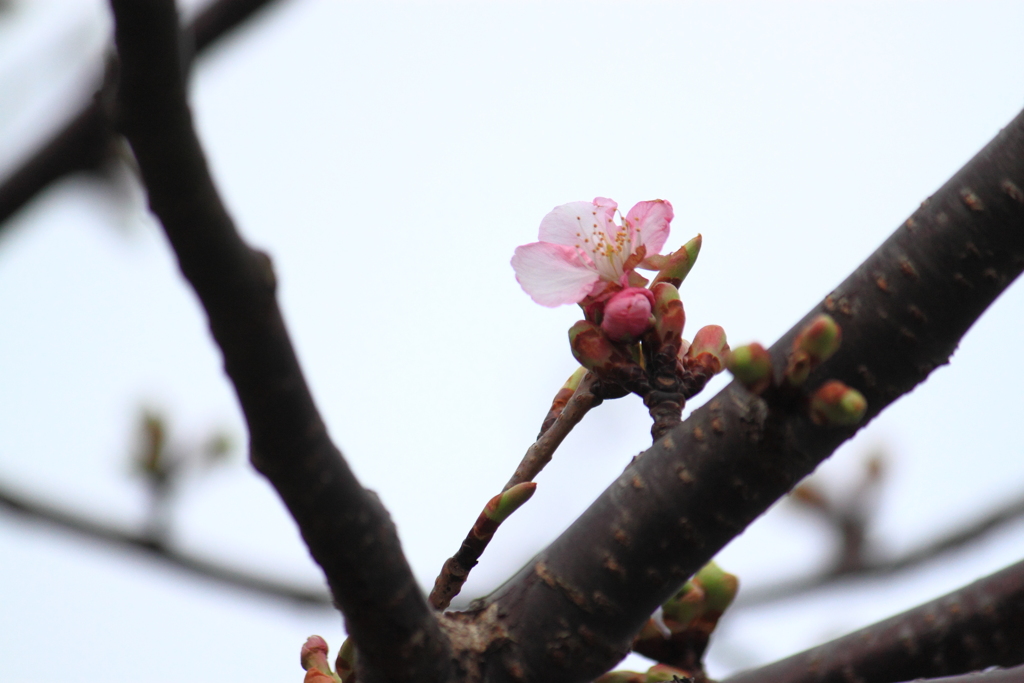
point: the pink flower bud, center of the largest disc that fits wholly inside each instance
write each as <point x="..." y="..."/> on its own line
<point x="314" y="654"/>
<point x="627" y="315"/>
<point x="314" y="660"/>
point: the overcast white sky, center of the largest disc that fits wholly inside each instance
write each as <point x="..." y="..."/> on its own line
<point x="390" y="156"/>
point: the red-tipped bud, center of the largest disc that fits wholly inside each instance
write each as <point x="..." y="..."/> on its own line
<point x="820" y="339"/>
<point x="720" y="587"/>
<point x="573" y="383"/>
<point x="683" y="607"/>
<point x="674" y="267"/>
<point x="752" y="366"/>
<point x="708" y="349"/>
<point x="627" y="315"/>
<point x="812" y="346"/>
<point x="835" y="404"/>
<point x="621" y="677"/>
<point x="313" y="658"/>
<point x="669" y="316"/>
<point x="345" y="664"/>
<point x="504" y="504"/>
<point x="593" y="349"/>
<point x="661" y="673"/>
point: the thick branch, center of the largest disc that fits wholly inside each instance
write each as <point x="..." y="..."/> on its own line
<point x="1014" y="675"/>
<point x="953" y="540"/>
<point x="192" y="564"/>
<point x="84" y="142"/>
<point x="973" y="628"/>
<point x="572" y="612"/>
<point x="347" y="530"/>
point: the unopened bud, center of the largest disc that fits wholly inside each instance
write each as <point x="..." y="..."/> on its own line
<point x="708" y="349"/>
<point x="504" y="504"/>
<point x="669" y="316"/>
<point x="676" y="266"/>
<point x="683" y="607"/>
<point x="811" y="347"/>
<point x="752" y="366"/>
<point x="798" y="367"/>
<point x="595" y="351"/>
<point x="627" y="315"/>
<point x="835" y="404"/>
<point x="820" y="339"/>
<point x="661" y="673"/>
<point x="720" y="587"/>
<point x="621" y="677"/>
<point x="573" y="383"/>
<point x="313" y="658"/>
<point x="345" y="664"/>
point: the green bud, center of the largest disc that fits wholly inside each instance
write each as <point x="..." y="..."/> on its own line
<point x="313" y="658"/>
<point x="621" y="677"/>
<point x="669" y="316"/>
<point x="720" y="587"/>
<point x="345" y="664"/>
<point x="574" y="380"/>
<point x="660" y="673"/>
<point x="836" y="405"/>
<point x="504" y="504"/>
<point x="676" y="266"/>
<point x="709" y="349"/>
<point x="591" y="347"/>
<point x="683" y="607"/>
<point x="820" y="339"/>
<point x="752" y="366"/>
<point x="798" y="367"/>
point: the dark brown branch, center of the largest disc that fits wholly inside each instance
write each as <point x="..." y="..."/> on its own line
<point x="84" y="143"/>
<point x="347" y="530"/>
<point x="975" y="627"/>
<point x="954" y="540"/>
<point x="1014" y="675"/>
<point x="573" y="611"/>
<point x="193" y="565"/>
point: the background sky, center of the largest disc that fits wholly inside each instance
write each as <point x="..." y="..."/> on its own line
<point x="390" y="156"/>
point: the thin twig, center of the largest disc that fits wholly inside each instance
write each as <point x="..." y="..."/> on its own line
<point x="456" y="569"/>
<point x="345" y="526"/>
<point x="567" y="409"/>
<point x="539" y="454"/>
<point x="1010" y="512"/>
<point x="200" y="567"/>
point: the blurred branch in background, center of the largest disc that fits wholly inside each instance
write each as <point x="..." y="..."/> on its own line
<point x="161" y="466"/>
<point x="966" y="630"/>
<point x="87" y="141"/>
<point x="849" y="516"/>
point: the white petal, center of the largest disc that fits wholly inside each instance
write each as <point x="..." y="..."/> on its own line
<point x="570" y="224"/>
<point x="552" y="274"/>
<point x="652" y="220"/>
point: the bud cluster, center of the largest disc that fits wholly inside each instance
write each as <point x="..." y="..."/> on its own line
<point x="833" y="403"/>
<point x="631" y="338"/>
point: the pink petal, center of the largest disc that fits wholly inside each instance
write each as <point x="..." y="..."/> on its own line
<point x="570" y="224"/>
<point x="552" y="274"/>
<point x="652" y="218"/>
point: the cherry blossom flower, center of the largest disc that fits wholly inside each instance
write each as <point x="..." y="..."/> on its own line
<point x="583" y="252"/>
